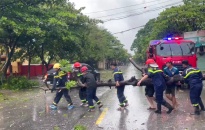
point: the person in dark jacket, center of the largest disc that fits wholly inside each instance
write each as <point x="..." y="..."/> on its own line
<point x="91" y="85"/>
<point x="60" y="79"/>
<point x="149" y="92"/>
<point x="159" y="85"/>
<point x="82" y="90"/>
<point x="193" y="77"/>
<point x="118" y="76"/>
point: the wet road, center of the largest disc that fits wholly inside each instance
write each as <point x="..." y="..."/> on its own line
<point x="137" y="117"/>
<point x="29" y="111"/>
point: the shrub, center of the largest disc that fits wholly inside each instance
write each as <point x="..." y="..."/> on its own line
<point x="18" y="83"/>
<point x="79" y="127"/>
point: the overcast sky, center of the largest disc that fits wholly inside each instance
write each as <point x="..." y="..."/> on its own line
<point x="148" y="8"/>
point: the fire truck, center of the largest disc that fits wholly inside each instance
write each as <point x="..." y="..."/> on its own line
<point x="173" y="47"/>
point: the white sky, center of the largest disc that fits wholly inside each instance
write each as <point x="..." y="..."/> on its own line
<point x="141" y="6"/>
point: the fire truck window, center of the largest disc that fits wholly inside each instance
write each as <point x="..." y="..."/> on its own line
<point x="187" y="48"/>
<point x="176" y="49"/>
<point x="165" y="51"/>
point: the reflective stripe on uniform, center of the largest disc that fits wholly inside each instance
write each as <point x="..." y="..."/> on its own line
<point x="60" y="74"/>
<point x="99" y="102"/>
<point x="79" y="75"/>
<point x="91" y="107"/>
<point x="194" y="71"/>
<point x="119" y="72"/>
<point x="195" y="105"/>
<point x="154" y="71"/>
<point x="83" y="100"/>
<point x="125" y="101"/>
<point x="54" y="103"/>
<point x="122" y="105"/>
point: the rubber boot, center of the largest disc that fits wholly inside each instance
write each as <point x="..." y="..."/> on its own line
<point x="167" y="105"/>
<point x="158" y="111"/>
<point x="196" y="111"/>
<point x="201" y="105"/>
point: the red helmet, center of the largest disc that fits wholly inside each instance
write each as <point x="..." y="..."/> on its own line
<point x="150" y="61"/>
<point x="168" y="60"/>
<point x="77" y="65"/>
<point x="83" y="69"/>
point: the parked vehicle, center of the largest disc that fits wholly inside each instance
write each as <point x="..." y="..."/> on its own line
<point x="176" y="48"/>
<point x="50" y="74"/>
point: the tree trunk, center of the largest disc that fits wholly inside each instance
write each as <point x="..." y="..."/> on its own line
<point x="10" y="69"/>
<point x="8" y="62"/>
<point x="42" y="58"/>
<point x="29" y="67"/>
<point x="10" y="54"/>
<point x="28" y="52"/>
<point x="47" y="65"/>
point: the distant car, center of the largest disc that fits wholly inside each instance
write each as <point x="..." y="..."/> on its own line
<point x="50" y="74"/>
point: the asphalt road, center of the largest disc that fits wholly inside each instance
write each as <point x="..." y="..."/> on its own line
<point x="137" y="117"/>
<point x="30" y="111"/>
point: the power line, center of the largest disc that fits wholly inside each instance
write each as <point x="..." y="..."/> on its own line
<point x="131" y="15"/>
<point x="130" y="10"/>
<point x="128" y="29"/>
<point x="120" y="7"/>
<point x="135" y="14"/>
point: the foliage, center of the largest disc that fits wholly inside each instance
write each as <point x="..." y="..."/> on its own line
<point x="51" y="30"/>
<point x="66" y="66"/>
<point x="1" y="97"/>
<point x="56" y="128"/>
<point x="18" y="83"/>
<point x="71" y="84"/>
<point x="171" y="22"/>
<point x="194" y="2"/>
<point x="79" y="127"/>
<point x="142" y="39"/>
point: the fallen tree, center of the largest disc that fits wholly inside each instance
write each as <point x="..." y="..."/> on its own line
<point x="132" y="81"/>
<point x="170" y="80"/>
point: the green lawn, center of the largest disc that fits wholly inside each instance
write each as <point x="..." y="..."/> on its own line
<point x="106" y="75"/>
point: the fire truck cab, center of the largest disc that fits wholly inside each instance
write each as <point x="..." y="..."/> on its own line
<point x="174" y="47"/>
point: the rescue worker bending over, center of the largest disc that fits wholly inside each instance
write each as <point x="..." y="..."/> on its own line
<point x="159" y="85"/>
<point x="90" y="83"/>
<point x="82" y="90"/>
<point x="193" y="77"/>
<point x="170" y="71"/>
<point x="118" y="76"/>
<point x="60" y="79"/>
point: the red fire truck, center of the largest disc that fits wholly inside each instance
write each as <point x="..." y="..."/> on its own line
<point x="175" y="47"/>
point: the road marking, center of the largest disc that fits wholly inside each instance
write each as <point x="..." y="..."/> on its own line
<point x="101" y="117"/>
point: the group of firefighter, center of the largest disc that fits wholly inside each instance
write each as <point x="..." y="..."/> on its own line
<point x="87" y="93"/>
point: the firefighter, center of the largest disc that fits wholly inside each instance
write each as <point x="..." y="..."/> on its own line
<point x="149" y="93"/>
<point x="170" y="71"/>
<point x="159" y="85"/>
<point x="82" y="90"/>
<point x="60" y="79"/>
<point x="193" y="77"/>
<point x="118" y="76"/>
<point x="91" y="85"/>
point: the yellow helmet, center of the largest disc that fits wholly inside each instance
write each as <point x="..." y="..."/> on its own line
<point x="57" y="66"/>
